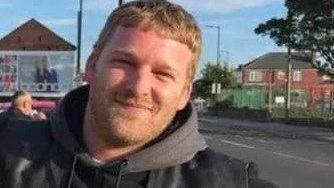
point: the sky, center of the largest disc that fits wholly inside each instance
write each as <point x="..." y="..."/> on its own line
<point x="237" y="19"/>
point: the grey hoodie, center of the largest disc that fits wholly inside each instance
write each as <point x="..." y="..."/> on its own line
<point x="176" y="145"/>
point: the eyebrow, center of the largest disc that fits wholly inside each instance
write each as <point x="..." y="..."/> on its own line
<point x="166" y="67"/>
<point x="128" y="54"/>
<point x="124" y="53"/>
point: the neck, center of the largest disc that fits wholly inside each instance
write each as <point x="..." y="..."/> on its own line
<point x="98" y="148"/>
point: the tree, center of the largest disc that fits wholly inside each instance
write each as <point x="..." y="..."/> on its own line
<point x="308" y="26"/>
<point x="213" y="73"/>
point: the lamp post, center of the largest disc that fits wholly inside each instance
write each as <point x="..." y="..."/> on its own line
<point x="79" y="38"/>
<point x="218" y="40"/>
<point x="215" y="85"/>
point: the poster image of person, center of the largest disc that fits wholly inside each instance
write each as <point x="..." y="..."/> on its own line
<point x="45" y="74"/>
<point x="8" y="70"/>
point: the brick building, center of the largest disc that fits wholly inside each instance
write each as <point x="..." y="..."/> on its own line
<point x="34" y="36"/>
<point x="270" y="70"/>
<point x="36" y="59"/>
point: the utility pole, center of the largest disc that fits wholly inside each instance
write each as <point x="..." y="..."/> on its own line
<point x="79" y="39"/>
<point x="289" y="68"/>
<point x="218" y="45"/>
<point x="288" y="86"/>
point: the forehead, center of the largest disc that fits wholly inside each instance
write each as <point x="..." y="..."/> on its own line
<point x="147" y="44"/>
<point x="136" y="34"/>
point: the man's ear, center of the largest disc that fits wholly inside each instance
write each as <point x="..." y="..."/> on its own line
<point x="24" y="104"/>
<point x="185" y="96"/>
<point x="90" y="67"/>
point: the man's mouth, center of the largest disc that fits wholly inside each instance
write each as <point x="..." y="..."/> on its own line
<point x="134" y="105"/>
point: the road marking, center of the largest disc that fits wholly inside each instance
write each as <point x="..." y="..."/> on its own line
<point x="207" y="120"/>
<point x="301" y="159"/>
<point x="208" y="137"/>
<point x="245" y="137"/>
<point x="263" y="141"/>
<point x="237" y="144"/>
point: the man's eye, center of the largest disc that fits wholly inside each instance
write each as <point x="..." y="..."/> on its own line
<point x="164" y="75"/>
<point x="120" y="62"/>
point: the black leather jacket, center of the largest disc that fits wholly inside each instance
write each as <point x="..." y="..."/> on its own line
<point x="46" y="164"/>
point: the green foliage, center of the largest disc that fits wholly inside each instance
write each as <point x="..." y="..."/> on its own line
<point x="213" y="73"/>
<point x="309" y="26"/>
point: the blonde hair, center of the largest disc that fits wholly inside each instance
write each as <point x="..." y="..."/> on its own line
<point x="167" y="19"/>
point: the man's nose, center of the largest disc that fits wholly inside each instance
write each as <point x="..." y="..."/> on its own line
<point x="139" y="83"/>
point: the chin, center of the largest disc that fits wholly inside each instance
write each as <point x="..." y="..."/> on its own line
<point x="133" y="132"/>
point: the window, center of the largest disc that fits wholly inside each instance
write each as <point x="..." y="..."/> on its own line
<point x="255" y="76"/>
<point x="297" y="75"/>
<point x="281" y="75"/>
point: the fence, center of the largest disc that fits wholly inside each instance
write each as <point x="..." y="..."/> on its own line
<point x="302" y="104"/>
<point x="241" y="98"/>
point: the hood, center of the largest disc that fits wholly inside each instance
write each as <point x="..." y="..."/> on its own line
<point x="176" y="145"/>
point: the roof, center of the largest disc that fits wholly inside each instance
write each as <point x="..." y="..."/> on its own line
<point x="32" y="35"/>
<point x="279" y="60"/>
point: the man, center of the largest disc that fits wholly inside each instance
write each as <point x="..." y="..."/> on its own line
<point x="21" y="107"/>
<point x="133" y="125"/>
<point x="45" y="74"/>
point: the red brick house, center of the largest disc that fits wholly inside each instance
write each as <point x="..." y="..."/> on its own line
<point x="34" y="36"/>
<point x="270" y="70"/>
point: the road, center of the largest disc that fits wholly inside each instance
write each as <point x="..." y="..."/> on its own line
<point x="289" y="156"/>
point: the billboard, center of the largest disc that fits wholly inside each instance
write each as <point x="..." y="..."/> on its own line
<point x="37" y="72"/>
<point x="8" y="73"/>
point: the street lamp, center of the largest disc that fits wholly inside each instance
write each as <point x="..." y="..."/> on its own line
<point x="218" y="40"/>
<point x="215" y="85"/>
<point x="79" y="38"/>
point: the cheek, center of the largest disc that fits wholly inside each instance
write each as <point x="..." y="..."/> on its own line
<point x="166" y="95"/>
<point x="109" y="77"/>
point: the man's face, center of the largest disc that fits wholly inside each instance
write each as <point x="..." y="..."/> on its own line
<point x="138" y="83"/>
<point x="27" y="105"/>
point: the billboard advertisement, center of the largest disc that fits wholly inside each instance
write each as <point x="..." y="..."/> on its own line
<point x="8" y="73"/>
<point x="37" y="72"/>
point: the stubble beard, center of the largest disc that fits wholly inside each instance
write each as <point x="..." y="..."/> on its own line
<point x="118" y="129"/>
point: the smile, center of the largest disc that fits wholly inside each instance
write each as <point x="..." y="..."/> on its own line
<point x="134" y="105"/>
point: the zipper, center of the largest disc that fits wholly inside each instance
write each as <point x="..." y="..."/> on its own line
<point x="122" y="165"/>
